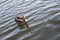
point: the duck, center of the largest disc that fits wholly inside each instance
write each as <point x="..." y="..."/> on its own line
<point x="21" y="21"/>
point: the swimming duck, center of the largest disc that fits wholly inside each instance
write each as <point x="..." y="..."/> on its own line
<point x="21" y="21"/>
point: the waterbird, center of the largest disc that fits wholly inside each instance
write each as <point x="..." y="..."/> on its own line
<point x="21" y="21"/>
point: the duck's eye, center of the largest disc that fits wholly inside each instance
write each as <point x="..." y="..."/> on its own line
<point x="18" y="18"/>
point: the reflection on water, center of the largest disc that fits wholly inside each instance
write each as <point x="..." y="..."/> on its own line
<point x="43" y="19"/>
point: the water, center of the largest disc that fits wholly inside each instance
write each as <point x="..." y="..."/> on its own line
<point x="43" y="19"/>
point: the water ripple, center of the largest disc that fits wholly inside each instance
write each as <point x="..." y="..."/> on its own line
<point x="43" y="19"/>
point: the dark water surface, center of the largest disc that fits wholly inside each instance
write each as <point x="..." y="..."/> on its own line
<point x="43" y="19"/>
